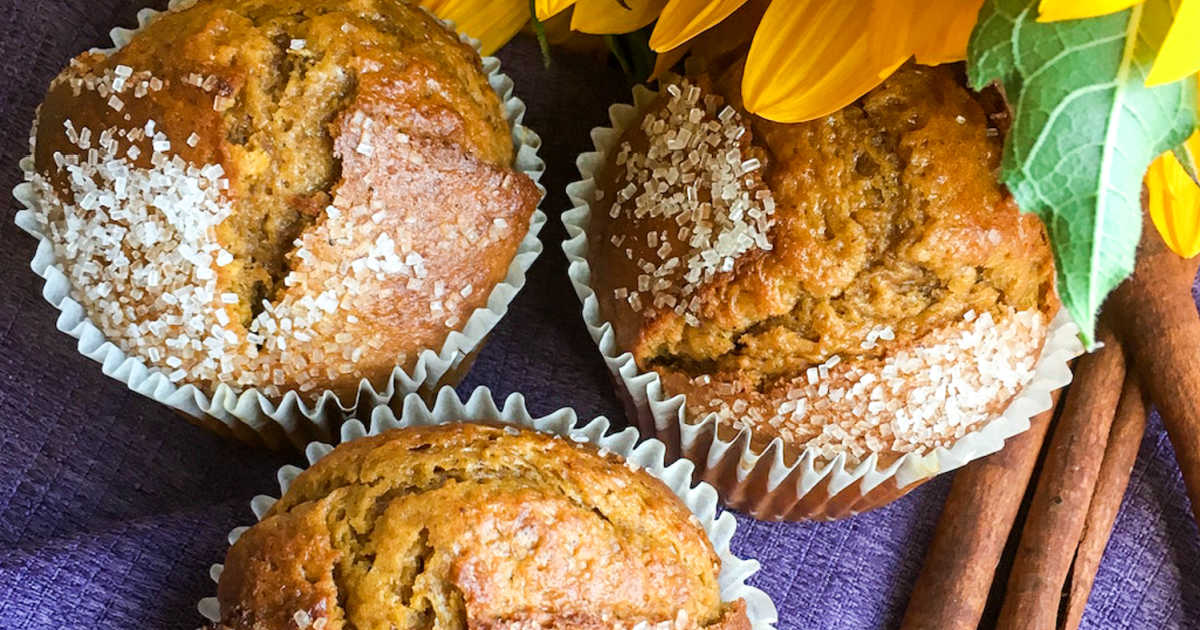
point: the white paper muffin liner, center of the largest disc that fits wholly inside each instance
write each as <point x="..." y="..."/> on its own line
<point x="249" y="415"/>
<point x="650" y="455"/>
<point x="762" y="482"/>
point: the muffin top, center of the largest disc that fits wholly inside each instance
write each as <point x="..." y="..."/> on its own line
<point x="744" y="260"/>
<point x="280" y="194"/>
<point x="478" y="526"/>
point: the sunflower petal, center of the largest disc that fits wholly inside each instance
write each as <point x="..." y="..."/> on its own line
<point x="547" y="9"/>
<point x="1055" y="10"/>
<point x="1174" y="205"/>
<point x="731" y="34"/>
<point x="664" y="61"/>
<point x="609" y="17"/>
<point x="944" y="40"/>
<point x="1188" y="155"/>
<point x="493" y="22"/>
<point x="682" y="20"/>
<point x="1179" y="55"/>
<point x="810" y="58"/>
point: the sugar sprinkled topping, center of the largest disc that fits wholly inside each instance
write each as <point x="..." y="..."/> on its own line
<point x="695" y="177"/>
<point x="681" y="621"/>
<point x="912" y="400"/>
<point x="694" y="173"/>
<point x="137" y="239"/>
<point x="108" y="84"/>
<point x="134" y="227"/>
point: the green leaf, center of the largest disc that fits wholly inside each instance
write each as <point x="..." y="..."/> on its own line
<point x="618" y="53"/>
<point x="1085" y="127"/>
<point x="1188" y="159"/>
<point x="632" y="52"/>
<point x="539" y="30"/>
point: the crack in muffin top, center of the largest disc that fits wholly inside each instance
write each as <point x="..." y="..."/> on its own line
<point x="277" y="194"/>
<point x="884" y="224"/>
<point x="469" y="525"/>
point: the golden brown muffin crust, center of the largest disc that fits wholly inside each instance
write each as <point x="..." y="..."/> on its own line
<point x="889" y="227"/>
<point x="474" y="526"/>
<point x="356" y="118"/>
<point x="888" y="212"/>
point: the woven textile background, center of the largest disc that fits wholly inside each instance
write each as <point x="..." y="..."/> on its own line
<point x="112" y="508"/>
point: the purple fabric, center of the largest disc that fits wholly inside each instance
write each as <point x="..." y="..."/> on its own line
<point x="112" y="508"/>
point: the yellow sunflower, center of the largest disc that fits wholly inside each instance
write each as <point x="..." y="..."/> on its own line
<point x="1178" y="56"/>
<point x="833" y="52"/>
<point x="809" y="58"/>
<point x="1173" y="199"/>
<point x="494" y="22"/>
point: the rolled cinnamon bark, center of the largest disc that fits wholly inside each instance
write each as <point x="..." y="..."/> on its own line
<point x="1157" y="322"/>
<point x="952" y="590"/>
<point x="1119" y="455"/>
<point x="1064" y="491"/>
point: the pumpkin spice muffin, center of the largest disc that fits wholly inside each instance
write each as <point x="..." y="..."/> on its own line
<point x="859" y="284"/>
<point x="280" y="194"/>
<point x="474" y="526"/>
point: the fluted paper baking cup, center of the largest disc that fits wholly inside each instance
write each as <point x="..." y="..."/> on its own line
<point x="762" y="481"/>
<point x="250" y="415"/>
<point x="649" y="454"/>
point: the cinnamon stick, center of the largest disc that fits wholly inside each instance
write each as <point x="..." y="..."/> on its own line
<point x="1157" y="322"/>
<point x="1065" y="485"/>
<point x="1123" y="443"/>
<point x="952" y="589"/>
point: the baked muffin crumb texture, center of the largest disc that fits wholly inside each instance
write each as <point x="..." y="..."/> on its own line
<point x="856" y="284"/>
<point x="474" y="526"/>
<point x="278" y="194"/>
